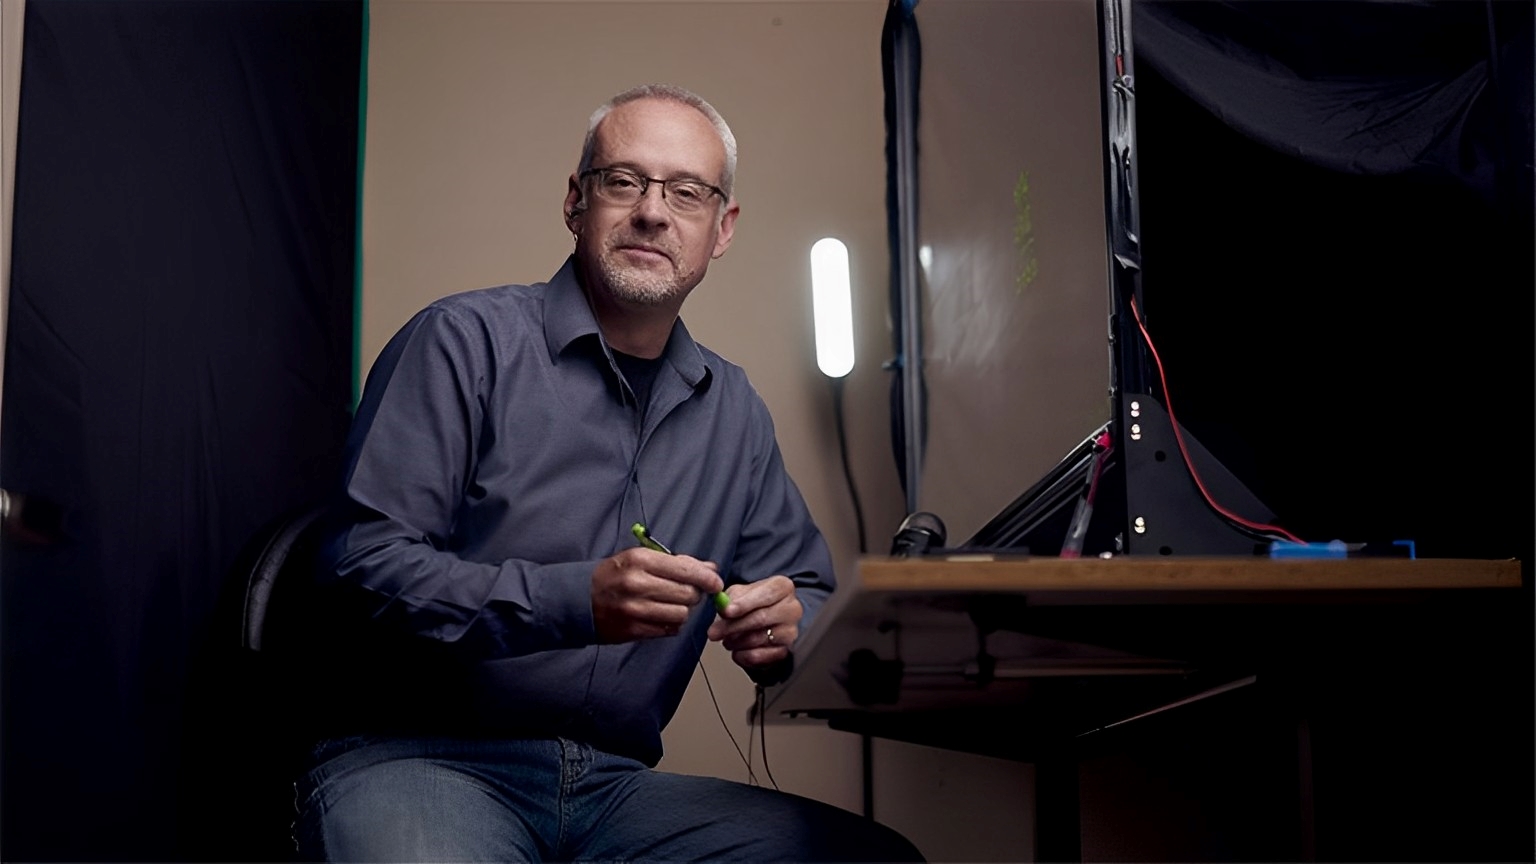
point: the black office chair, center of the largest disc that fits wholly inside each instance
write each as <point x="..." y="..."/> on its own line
<point x="259" y="575"/>
<point x="246" y="704"/>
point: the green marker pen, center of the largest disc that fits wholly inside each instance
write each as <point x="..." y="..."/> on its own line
<point x="721" y="599"/>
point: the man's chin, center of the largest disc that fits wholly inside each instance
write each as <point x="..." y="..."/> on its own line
<point x="642" y="293"/>
<point x="639" y="287"/>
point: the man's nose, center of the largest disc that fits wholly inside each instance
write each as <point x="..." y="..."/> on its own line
<point x="652" y="207"/>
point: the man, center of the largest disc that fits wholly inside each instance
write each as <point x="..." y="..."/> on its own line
<point x="523" y="651"/>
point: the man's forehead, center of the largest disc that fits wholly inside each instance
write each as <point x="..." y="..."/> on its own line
<point x="657" y="134"/>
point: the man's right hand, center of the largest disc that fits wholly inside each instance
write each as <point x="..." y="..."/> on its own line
<point x="641" y="594"/>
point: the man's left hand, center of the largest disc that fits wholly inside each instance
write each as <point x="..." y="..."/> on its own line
<point x="761" y="623"/>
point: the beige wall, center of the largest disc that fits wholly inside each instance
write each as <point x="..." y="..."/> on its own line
<point x="10" y="90"/>
<point x="475" y="116"/>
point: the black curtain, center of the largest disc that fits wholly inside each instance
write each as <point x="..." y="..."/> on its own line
<point x="1347" y="325"/>
<point x="1336" y="211"/>
<point x="901" y="65"/>
<point x="178" y="371"/>
<point x="1432" y="88"/>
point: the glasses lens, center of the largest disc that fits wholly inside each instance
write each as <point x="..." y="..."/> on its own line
<point x="618" y="186"/>
<point x="686" y="196"/>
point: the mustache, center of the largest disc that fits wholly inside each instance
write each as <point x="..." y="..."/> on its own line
<point x="654" y="245"/>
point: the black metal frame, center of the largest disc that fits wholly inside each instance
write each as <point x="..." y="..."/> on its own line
<point x="1148" y="500"/>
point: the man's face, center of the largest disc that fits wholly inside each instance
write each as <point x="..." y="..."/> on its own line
<point x="644" y="253"/>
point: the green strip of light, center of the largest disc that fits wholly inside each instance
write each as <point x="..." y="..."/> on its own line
<point x="357" y="240"/>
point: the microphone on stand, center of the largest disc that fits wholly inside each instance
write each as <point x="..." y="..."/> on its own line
<point x="919" y="533"/>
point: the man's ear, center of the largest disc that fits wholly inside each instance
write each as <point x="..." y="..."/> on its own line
<point x="727" y="228"/>
<point x="574" y="206"/>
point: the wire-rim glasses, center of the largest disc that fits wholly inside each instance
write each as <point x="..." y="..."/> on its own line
<point x="625" y="187"/>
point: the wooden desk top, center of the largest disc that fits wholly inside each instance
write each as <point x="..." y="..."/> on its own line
<point x="1134" y="625"/>
<point x="1137" y="574"/>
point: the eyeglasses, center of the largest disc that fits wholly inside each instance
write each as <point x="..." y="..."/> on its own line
<point x="620" y="186"/>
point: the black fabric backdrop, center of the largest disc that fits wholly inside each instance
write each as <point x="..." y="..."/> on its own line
<point x="899" y="37"/>
<point x="1336" y="211"/>
<point x="178" y="372"/>
<point x="1430" y="88"/>
<point x="1338" y="247"/>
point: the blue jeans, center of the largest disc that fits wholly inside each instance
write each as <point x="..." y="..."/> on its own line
<point x="405" y="799"/>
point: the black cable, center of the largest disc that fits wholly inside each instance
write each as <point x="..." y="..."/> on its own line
<point x="751" y="777"/>
<point x="858" y="516"/>
<point x="762" y="733"/>
<point x="842" y="449"/>
<point x="752" y="718"/>
<point x="868" y="760"/>
<point x="864" y="549"/>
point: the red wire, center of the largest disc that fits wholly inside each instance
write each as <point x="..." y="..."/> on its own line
<point x="1184" y="451"/>
<point x="1102" y="445"/>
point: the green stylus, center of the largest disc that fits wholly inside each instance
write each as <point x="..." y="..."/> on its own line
<point x="722" y="600"/>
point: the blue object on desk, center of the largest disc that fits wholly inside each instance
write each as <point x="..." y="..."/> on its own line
<point x="1340" y="549"/>
<point x="1288" y="549"/>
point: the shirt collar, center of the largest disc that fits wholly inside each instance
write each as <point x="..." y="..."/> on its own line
<point x="568" y="317"/>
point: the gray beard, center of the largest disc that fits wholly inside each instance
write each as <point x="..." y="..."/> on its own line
<point x="637" y="287"/>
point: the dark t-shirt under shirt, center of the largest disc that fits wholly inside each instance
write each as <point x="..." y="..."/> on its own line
<point x="639" y="372"/>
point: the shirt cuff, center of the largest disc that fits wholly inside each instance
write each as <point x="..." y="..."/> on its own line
<point x="560" y="597"/>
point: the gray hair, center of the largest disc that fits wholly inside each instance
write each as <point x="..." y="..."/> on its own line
<point x="669" y="93"/>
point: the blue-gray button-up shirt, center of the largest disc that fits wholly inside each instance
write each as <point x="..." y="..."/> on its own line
<point x="496" y="457"/>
